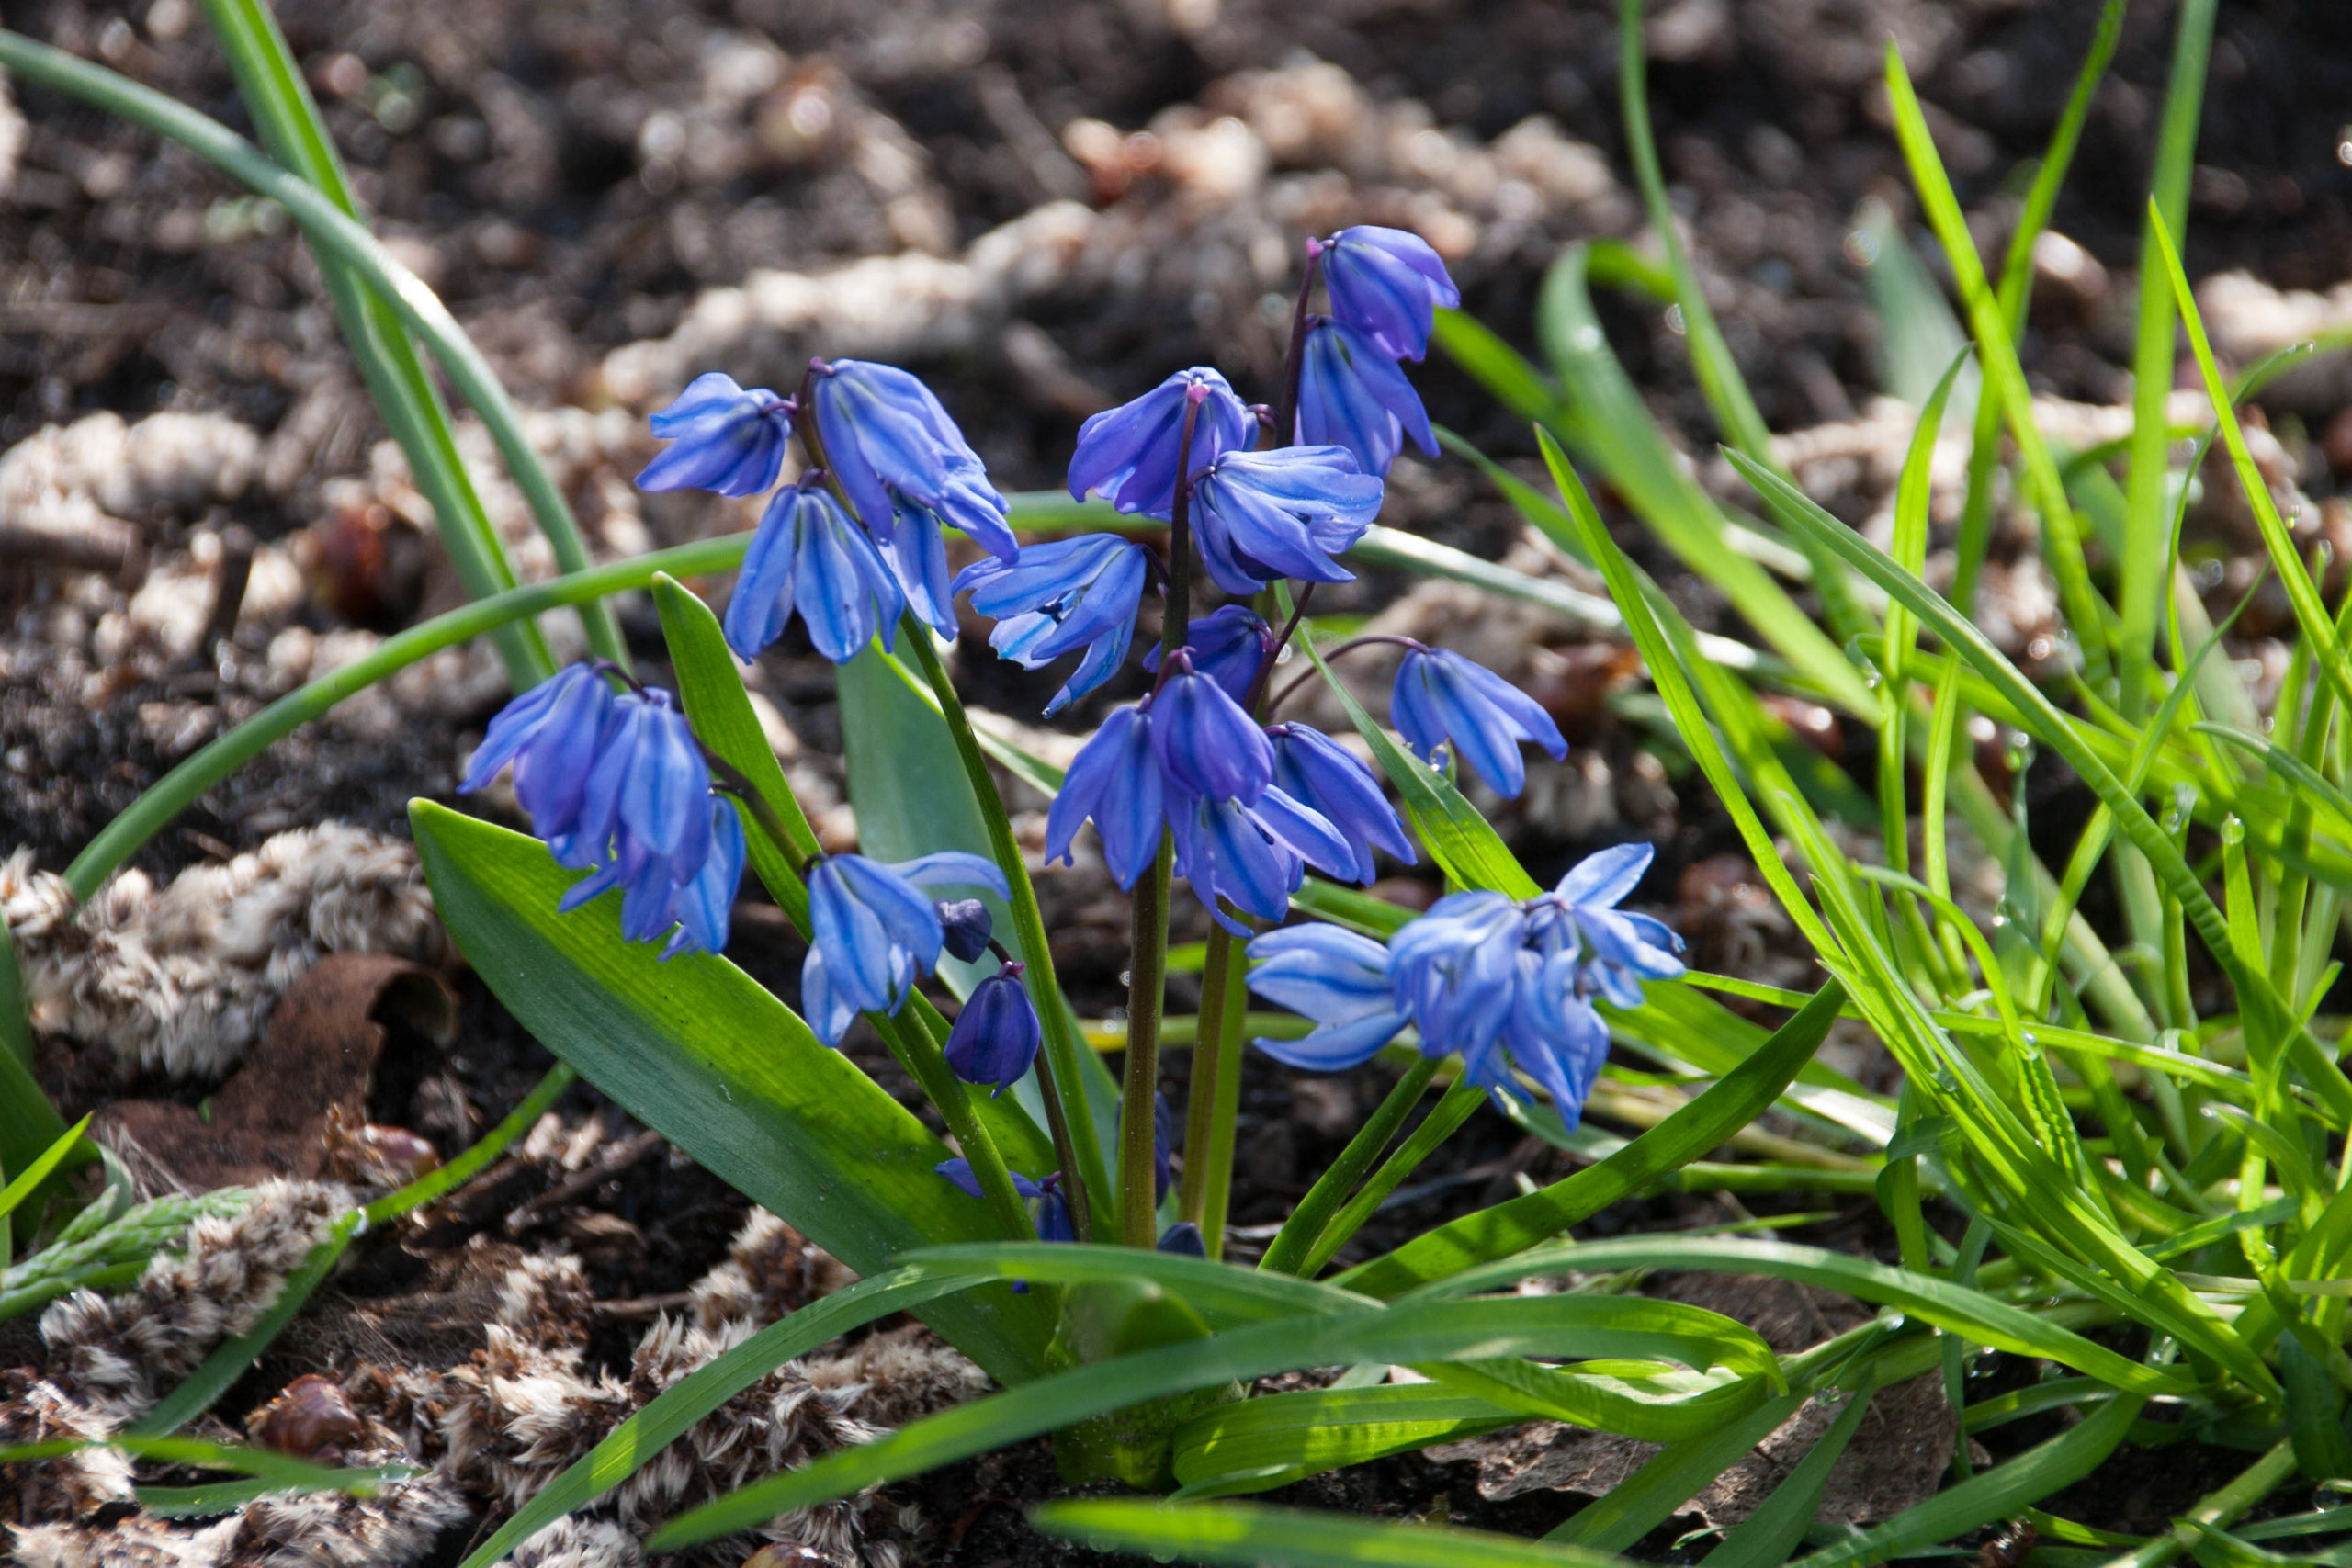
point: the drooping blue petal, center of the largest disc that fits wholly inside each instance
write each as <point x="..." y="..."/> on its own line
<point x="1226" y="852"/>
<point x="809" y="557"/>
<point x="1061" y="596"/>
<point x="723" y="437"/>
<point x="553" y="733"/>
<point x="959" y="1171"/>
<point x="1263" y="515"/>
<point x="1205" y="742"/>
<point x="917" y="554"/>
<point x="1321" y="773"/>
<point x="1129" y="454"/>
<point x="1115" y="780"/>
<point x="954" y="868"/>
<point x="1226" y="646"/>
<point x="1387" y="284"/>
<point x="706" y="902"/>
<point x="1352" y="393"/>
<point x="827" y="1012"/>
<point x="1335" y="1047"/>
<point x="1183" y="1239"/>
<point x="1441" y="697"/>
<point x="1602" y="879"/>
<point x="1306" y="831"/>
<point x="1322" y="972"/>
<point x="887" y="438"/>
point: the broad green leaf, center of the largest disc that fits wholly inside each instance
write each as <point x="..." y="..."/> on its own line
<point x="701" y="1054"/>
<point x="1219" y="1292"/>
<point x="1422" y="1335"/>
<point x="1251" y="1535"/>
<point x="1525" y="1221"/>
<point x="1263" y="1443"/>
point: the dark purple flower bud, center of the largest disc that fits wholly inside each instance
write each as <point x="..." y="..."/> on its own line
<point x="996" y="1035"/>
<point x="722" y="437"/>
<point x="1322" y="775"/>
<point x="890" y="441"/>
<point x="966" y="928"/>
<point x="1060" y="597"/>
<point x="808" y="556"/>
<point x="1441" y="698"/>
<point x="1207" y="745"/>
<point x="1227" y="646"/>
<point x="1263" y="515"/>
<point x="1129" y="454"/>
<point x="1183" y="1240"/>
<point x="1116" y="780"/>
<point x="1352" y="393"/>
<point x="1387" y="284"/>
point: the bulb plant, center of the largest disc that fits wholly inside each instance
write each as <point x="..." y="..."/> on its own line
<point x="2117" y="1153"/>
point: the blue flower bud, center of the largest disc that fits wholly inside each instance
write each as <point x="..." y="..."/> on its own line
<point x="889" y="441"/>
<point x="1206" y="744"/>
<point x="1129" y="454"/>
<point x="808" y="556"/>
<point x="1322" y="775"/>
<point x="1441" y="698"/>
<point x="1183" y="1239"/>
<point x="1115" y="780"/>
<point x="1352" y="393"/>
<point x="1060" y="597"/>
<point x="874" y="931"/>
<point x="967" y="926"/>
<point x="705" y="901"/>
<point x="1226" y="646"/>
<point x="1263" y="515"/>
<point x="995" y="1037"/>
<point x="1387" y="284"/>
<point x="723" y="437"/>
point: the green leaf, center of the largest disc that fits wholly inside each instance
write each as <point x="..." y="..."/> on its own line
<point x="1263" y="1443"/>
<point x="701" y="1054"/>
<point x="1250" y="1535"/>
<point x="283" y="1473"/>
<point x="38" y="1171"/>
<point x="1766" y="1537"/>
<point x="1426" y="1334"/>
<point x="1739" y="1098"/>
<point x="1679" y="1472"/>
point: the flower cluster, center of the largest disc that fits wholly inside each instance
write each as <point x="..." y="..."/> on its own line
<point x="1497" y="981"/>
<point x="874" y="931"/>
<point x="1385" y="286"/>
<point x="616" y="786"/>
<point x="849" y="571"/>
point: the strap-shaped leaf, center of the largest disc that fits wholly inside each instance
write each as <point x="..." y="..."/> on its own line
<point x="1250" y="1535"/>
<point x="1269" y="1442"/>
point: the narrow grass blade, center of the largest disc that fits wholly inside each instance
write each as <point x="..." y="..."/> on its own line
<point x="282" y="1472"/>
<point x="37" y="1171"/>
<point x="1766" y="1537"/>
<point x="1444" y="1119"/>
<point x="1660" y="1489"/>
<point x="1291" y="1243"/>
<point x="1263" y="1443"/>
<point x="1255" y="1536"/>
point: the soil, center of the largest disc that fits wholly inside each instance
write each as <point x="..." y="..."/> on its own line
<point x="559" y="175"/>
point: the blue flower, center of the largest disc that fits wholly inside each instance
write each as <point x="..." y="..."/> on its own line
<point x="1059" y="597"/>
<point x="1052" y="1209"/>
<point x="1553" y="1034"/>
<point x="887" y="438"/>
<point x="1352" y="393"/>
<point x="1183" y="1239"/>
<point x="1129" y="453"/>
<point x="1441" y="698"/>
<point x="1226" y="646"/>
<point x="1336" y="979"/>
<point x="996" y="1035"/>
<point x="1387" y="284"/>
<point x="808" y="556"/>
<point x="1251" y="855"/>
<point x="551" y="733"/>
<point x="1263" y="515"/>
<point x="873" y="932"/>
<point x="966" y="927"/>
<point x="1206" y="743"/>
<point x="1317" y="772"/>
<point x="1580" y="920"/>
<point x="1115" y="780"/>
<point x="723" y="437"/>
<point x="1455" y="969"/>
<point x="705" y="901"/>
<point x="645" y="818"/>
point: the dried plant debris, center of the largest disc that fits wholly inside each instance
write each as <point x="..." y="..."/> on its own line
<point x="487" y="1433"/>
<point x="178" y="980"/>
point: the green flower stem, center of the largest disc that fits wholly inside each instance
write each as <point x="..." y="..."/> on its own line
<point x="2220" y="1507"/>
<point x="921" y="1056"/>
<point x="1061" y="1042"/>
<point x="1216" y="1091"/>
<point x="176" y="790"/>
<point x="342" y="240"/>
<point x="1139" y="1086"/>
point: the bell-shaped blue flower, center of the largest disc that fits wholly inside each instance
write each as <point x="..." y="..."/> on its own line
<point x="1115" y="780"/>
<point x="996" y="1035"/>
<point x="1615" y="951"/>
<point x="1263" y="515"/>
<point x="1252" y="856"/>
<point x="705" y="901"/>
<point x="1130" y="454"/>
<point x="1336" y="979"/>
<point x="1320" y="774"/>
<point x="1387" y="284"/>
<point x="1183" y="1239"/>
<point x="1553" y="1035"/>
<point x="551" y="733"/>
<point x="645" y="820"/>
<point x="1060" y="597"/>
<point x="808" y="556"/>
<point x="874" y="931"/>
<point x="722" y="437"/>
<point x="1456" y="970"/>
<point x="1206" y="743"/>
<point x="1441" y="698"/>
<point x="1051" y="1215"/>
<point x="1352" y="393"/>
<point x="890" y="441"/>
<point x="1226" y="646"/>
